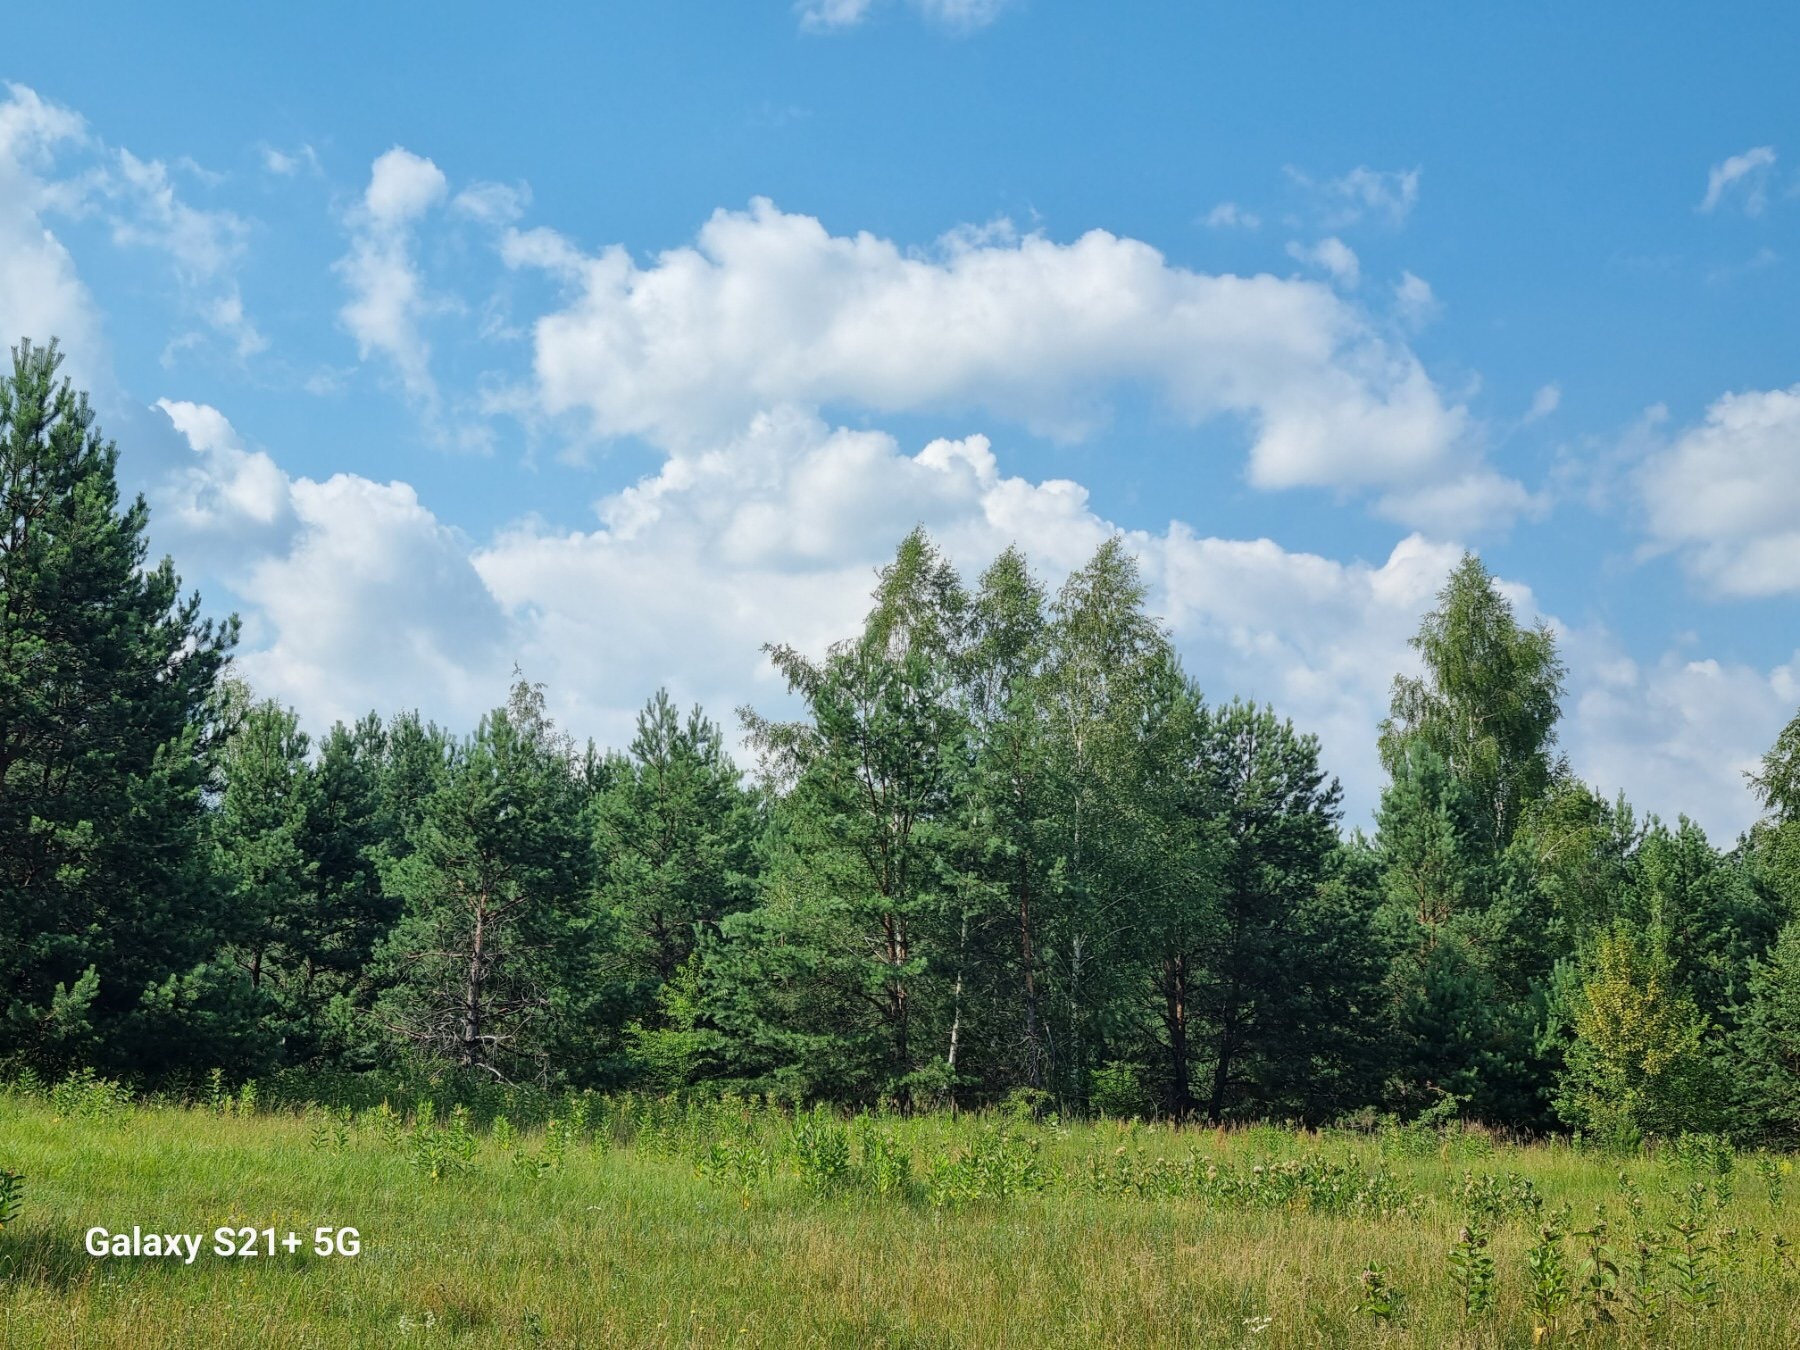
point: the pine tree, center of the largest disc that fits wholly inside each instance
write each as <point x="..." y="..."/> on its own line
<point x="1768" y="1044"/>
<point x="490" y="963"/>
<point x="107" y="742"/>
<point x="837" y="981"/>
<point x="676" y="831"/>
<point x="1275" y="968"/>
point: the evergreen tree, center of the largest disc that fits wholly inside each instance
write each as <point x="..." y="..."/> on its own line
<point x="837" y="981"/>
<point x="1282" y="963"/>
<point x="108" y="737"/>
<point x="1469" y="746"/>
<point x="1768" y="1044"/>
<point x="260" y="843"/>
<point x="489" y="966"/>
<point x="676" y="832"/>
<point x="348" y="911"/>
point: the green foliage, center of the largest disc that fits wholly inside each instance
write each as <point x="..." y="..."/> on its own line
<point x="12" y="1197"/>
<point x="1488" y="703"/>
<point x="998" y="1164"/>
<point x="486" y="966"/>
<point x="820" y="1148"/>
<point x="1549" y="1283"/>
<point x="1637" y="1065"/>
<point x="1005" y="851"/>
<point x="675" y="833"/>
<point x="1768" y="1042"/>
<point x="107" y="683"/>
<point x="1117" y="1089"/>
<point x="1378" y="1298"/>
<point x="1472" y="1271"/>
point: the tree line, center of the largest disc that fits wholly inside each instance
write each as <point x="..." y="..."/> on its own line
<point x="1007" y="850"/>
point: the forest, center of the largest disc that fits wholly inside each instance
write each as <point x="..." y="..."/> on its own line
<point x="1004" y="853"/>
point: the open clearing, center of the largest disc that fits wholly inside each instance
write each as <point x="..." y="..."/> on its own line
<point x="640" y="1222"/>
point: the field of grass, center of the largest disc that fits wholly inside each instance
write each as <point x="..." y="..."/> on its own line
<point x="634" y="1221"/>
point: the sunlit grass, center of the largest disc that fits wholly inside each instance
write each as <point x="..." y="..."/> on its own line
<point x="607" y="1232"/>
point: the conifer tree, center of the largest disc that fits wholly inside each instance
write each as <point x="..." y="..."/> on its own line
<point x="108" y="737"/>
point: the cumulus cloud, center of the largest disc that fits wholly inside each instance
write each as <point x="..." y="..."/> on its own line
<point x="1726" y="494"/>
<point x="374" y="596"/>
<point x="388" y="300"/>
<point x="776" y="535"/>
<point x="1746" y="175"/>
<point x="1677" y="735"/>
<point x="355" y="595"/>
<point x="228" y="495"/>
<point x="768" y="309"/>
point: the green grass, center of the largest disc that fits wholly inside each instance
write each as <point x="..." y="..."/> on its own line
<point x="652" y="1224"/>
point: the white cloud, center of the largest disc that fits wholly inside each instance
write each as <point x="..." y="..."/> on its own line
<point x="204" y="247"/>
<point x="959" y="16"/>
<point x="1386" y="196"/>
<point x="1229" y="215"/>
<point x="1414" y="302"/>
<point x="374" y="597"/>
<point x="768" y="309"/>
<point x="1321" y="640"/>
<point x="356" y="595"/>
<point x="1747" y="173"/>
<point x="41" y="296"/>
<point x="493" y="203"/>
<point x="388" y="300"/>
<point x="141" y="207"/>
<point x="1726" y="494"/>
<point x="825" y="15"/>
<point x="287" y="164"/>
<point x="1477" y="501"/>
<point x="1331" y="255"/>
<point x="1546" y="401"/>
<point x="229" y="494"/>
<point x="1676" y="736"/>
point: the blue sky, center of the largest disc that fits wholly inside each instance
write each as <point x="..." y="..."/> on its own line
<point x="616" y="344"/>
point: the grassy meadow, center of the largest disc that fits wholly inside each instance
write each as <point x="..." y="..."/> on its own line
<point x="637" y="1221"/>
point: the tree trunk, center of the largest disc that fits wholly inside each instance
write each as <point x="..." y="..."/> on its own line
<point x="471" y="1046"/>
<point x="956" y="1015"/>
<point x="1215" y="1110"/>
<point x="1175" y="1015"/>
<point x="897" y="1006"/>
<point x="1033" y="1060"/>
